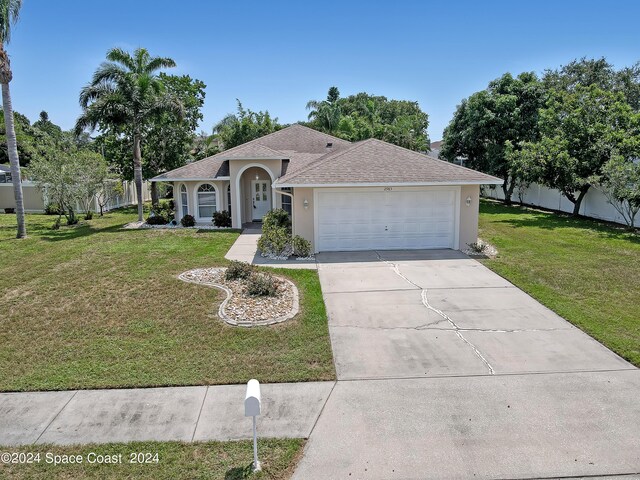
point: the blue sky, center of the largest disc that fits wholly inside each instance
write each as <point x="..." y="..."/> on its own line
<point x="278" y="55"/>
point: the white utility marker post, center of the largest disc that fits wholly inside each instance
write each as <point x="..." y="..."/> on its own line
<point x="252" y="403"/>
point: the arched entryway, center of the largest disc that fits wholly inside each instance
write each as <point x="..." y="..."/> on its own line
<point x="255" y="197"/>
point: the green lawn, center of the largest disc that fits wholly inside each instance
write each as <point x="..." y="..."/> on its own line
<point x="586" y="271"/>
<point x="210" y="460"/>
<point x="96" y="306"/>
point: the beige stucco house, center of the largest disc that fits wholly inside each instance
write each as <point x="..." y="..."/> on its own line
<point x="340" y="195"/>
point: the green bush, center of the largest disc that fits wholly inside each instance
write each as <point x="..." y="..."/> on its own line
<point x="188" y="221"/>
<point x="301" y="246"/>
<point x="163" y="213"/>
<point x="274" y="241"/>
<point x="53" y="209"/>
<point x="88" y="215"/>
<point x="56" y="224"/>
<point x="157" y="220"/>
<point x="261" y="285"/>
<point x="238" y="270"/>
<point x="222" y="219"/>
<point x="275" y="219"/>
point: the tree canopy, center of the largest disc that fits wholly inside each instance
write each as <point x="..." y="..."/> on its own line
<point x="243" y="126"/>
<point x="493" y="122"/>
<point x="361" y="116"/>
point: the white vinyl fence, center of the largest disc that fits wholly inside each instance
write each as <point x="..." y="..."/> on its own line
<point x="35" y="200"/>
<point x="594" y="204"/>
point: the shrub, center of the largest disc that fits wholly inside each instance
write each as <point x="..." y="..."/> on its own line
<point x="222" y="219"/>
<point x="478" y="247"/>
<point x="53" y="209"/>
<point x="156" y="220"/>
<point x="188" y="221"/>
<point x="238" y="270"/>
<point x="56" y="224"/>
<point x="276" y="218"/>
<point x="164" y="211"/>
<point x="274" y="241"/>
<point x="9" y="210"/>
<point x="88" y="215"/>
<point x="261" y="285"/>
<point x="301" y="246"/>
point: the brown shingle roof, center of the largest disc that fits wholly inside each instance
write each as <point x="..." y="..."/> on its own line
<point x="312" y="162"/>
<point x="377" y="162"/>
<point x="298" y="143"/>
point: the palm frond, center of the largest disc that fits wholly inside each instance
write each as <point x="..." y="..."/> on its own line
<point x="108" y="72"/>
<point x="9" y="14"/>
<point x="158" y="63"/>
<point x="121" y="56"/>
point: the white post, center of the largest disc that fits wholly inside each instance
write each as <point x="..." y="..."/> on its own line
<point x="252" y="408"/>
<point x="256" y="463"/>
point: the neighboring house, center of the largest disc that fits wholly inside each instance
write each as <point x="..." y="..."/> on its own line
<point x="341" y="195"/>
<point x="5" y="174"/>
<point x="435" y="152"/>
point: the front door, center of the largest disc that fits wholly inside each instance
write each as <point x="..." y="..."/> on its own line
<point x="261" y="198"/>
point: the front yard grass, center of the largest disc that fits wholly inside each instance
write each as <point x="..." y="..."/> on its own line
<point x="96" y="306"/>
<point x="584" y="270"/>
<point x="176" y="460"/>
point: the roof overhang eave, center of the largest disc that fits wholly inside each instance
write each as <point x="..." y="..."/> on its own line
<point x="388" y="184"/>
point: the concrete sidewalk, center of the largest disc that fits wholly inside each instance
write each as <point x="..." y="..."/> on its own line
<point x="172" y="413"/>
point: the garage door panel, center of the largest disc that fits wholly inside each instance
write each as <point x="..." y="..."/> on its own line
<point x="367" y="220"/>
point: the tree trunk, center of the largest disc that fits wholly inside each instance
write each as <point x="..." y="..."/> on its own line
<point x="137" y="175"/>
<point x="507" y="189"/>
<point x="154" y="194"/>
<point x="12" y="145"/>
<point x="578" y="203"/>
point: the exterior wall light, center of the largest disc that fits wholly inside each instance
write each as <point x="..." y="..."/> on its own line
<point x="305" y="204"/>
<point x="257" y="176"/>
<point x="468" y="201"/>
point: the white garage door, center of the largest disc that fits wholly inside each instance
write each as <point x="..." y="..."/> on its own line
<point x="386" y="220"/>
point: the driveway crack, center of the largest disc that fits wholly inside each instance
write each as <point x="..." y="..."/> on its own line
<point x="445" y="317"/>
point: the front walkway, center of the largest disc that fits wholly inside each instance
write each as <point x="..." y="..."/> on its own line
<point x="172" y="413"/>
<point x="245" y="249"/>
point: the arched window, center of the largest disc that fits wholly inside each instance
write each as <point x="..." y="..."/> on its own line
<point x="206" y="200"/>
<point x="184" y="200"/>
<point x="229" y="198"/>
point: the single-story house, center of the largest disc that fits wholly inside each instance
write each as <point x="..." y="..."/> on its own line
<point x="340" y="195"/>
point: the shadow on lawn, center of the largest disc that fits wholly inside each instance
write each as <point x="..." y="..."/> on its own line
<point x="532" y="218"/>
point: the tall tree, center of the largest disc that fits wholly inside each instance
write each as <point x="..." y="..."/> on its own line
<point x="581" y="130"/>
<point x="9" y="11"/>
<point x="494" y="122"/>
<point x="169" y="138"/>
<point x="246" y="125"/>
<point x="326" y="113"/>
<point x="126" y="94"/>
<point x="361" y="116"/>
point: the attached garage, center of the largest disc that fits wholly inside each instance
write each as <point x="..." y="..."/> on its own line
<point x="386" y="218"/>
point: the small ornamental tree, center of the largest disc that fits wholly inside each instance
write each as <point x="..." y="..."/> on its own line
<point x="620" y="183"/>
<point x="68" y="179"/>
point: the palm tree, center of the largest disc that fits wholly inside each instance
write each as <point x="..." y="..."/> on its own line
<point x="326" y="113"/>
<point x="9" y="11"/>
<point x="125" y="93"/>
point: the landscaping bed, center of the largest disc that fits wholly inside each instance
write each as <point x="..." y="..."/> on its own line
<point x="240" y="307"/>
<point x="584" y="270"/>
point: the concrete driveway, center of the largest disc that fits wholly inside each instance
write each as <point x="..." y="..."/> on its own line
<point x="446" y="370"/>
